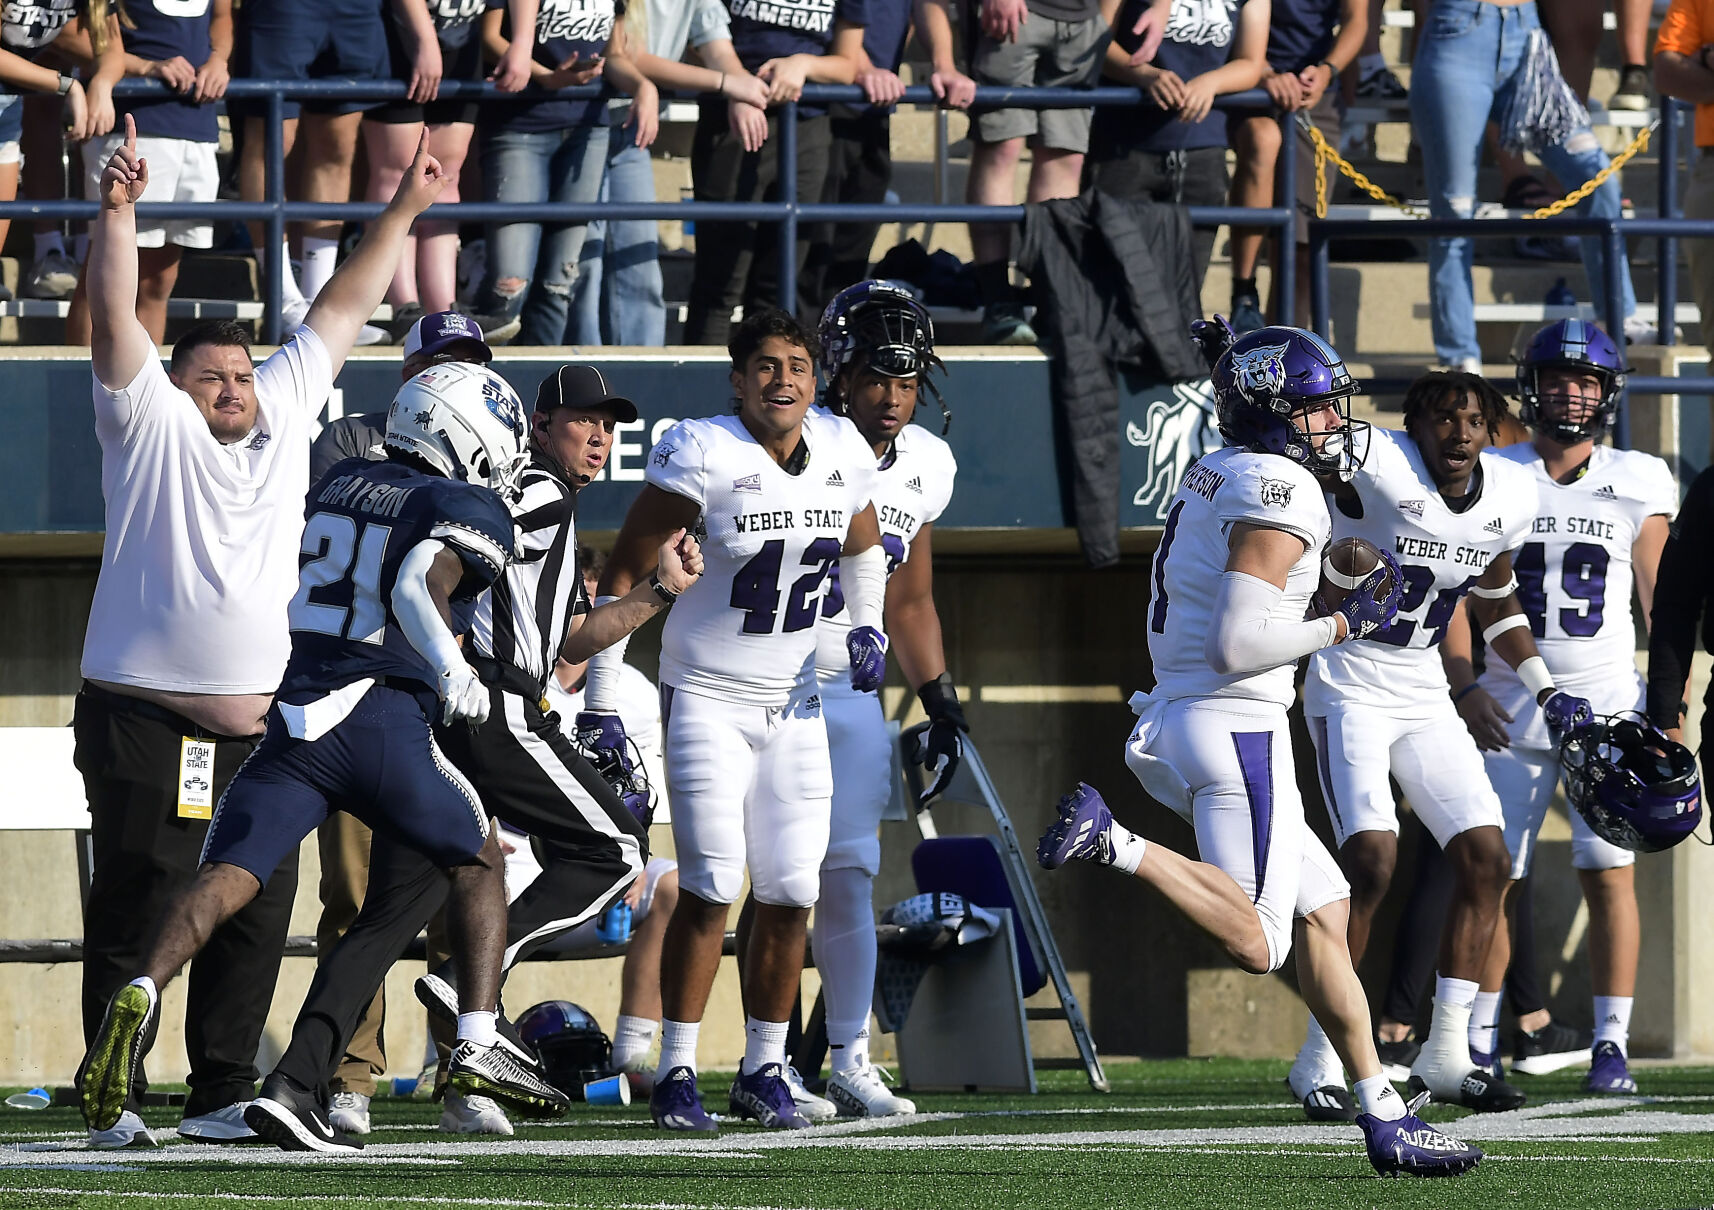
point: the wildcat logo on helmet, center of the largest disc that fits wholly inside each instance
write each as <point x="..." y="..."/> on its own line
<point x="1259" y="370"/>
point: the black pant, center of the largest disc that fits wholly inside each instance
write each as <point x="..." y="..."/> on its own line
<point x="1194" y="177"/>
<point x="739" y="262"/>
<point x="860" y="170"/>
<point x="524" y="767"/>
<point x="144" y="854"/>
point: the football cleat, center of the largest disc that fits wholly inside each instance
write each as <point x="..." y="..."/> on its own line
<point x="1489" y="1062"/>
<point x="349" y="1111"/>
<point x="224" y="1125"/>
<point x="861" y="1093"/>
<point x="763" y="1096"/>
<point x="1551" y="1048"/>
<point x="1609" y="1074"/>
<point x="675" y="1104"/>
<point x="460" y="1114"/>
<point x="105" y="1077"/>
<point x="1476" y="1089"/>
<point x="1081" y="831"/>
<point x="128" y="1131"/>
<point x="1396" y="1058"/>
<point x="441" y="1000"/>
<point x="491" y="1071"/>
<point x="292" y="1118"/>
<point x="1329" y="1103"/>
<point x="1411" y="1147"/>
<point x="816" y="1109"/>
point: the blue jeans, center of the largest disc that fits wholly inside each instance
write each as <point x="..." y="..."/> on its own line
<point x="1467" y="64"/>
<point x="617" y="297"/>
<point x="564" y="166"/>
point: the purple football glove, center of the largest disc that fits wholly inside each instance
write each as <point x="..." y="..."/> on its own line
<point x="1564" y="714"/>
<point x="868" y="648"/>
<point x="603" y="734"/>
<point x="1368" y="607"/>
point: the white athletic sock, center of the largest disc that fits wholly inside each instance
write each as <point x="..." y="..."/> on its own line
<point x="321" y="258"/>
<point x="678" y="1046"/>
<point x="148" y="985"/>
<point x="1317" y="1063"/>
<point x="1128" y="848"/>
<point x="845" y="956"/>
<point x="1448" y="1045"/>
<point x="1368" y="65"/>
<point x="479" y="1028"/>
<point x="632" y="1037"/>
<point x="1379" y="1099"/>
<point x="48" y="242"/>
<point x="764" y="1043"/>
<point x="1485" y="1022"/>
<point x="290" y="293"/>
<point x="1613" y="1020"/>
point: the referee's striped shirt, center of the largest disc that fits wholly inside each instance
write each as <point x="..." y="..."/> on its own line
<point x="522" y="621"/>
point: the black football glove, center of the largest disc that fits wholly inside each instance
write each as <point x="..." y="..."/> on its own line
<point x="1213" y="337"/>
<point x="941" y="747"/>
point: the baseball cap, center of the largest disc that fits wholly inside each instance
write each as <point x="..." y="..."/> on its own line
<point x="435" y="331"/>
<point x="582" y="387"/>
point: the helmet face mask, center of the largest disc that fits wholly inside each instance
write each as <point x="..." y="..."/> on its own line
<point x="1633" y="786"/>
<point x="466" y="422"/>
<point x="1579" y="347"/>
<point x="876" y="326"/>
<point x="572" y="1046"/>
<point x="1267" y="382"/>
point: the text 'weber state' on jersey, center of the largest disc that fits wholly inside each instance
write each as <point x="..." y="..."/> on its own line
<point x="1575" y="576"/>
<point x="745" y="631"/>
<point x="361" y="521"/>
<point x="1222" y="489"/>
<point x="911" y="491"/>
<point x="1441" y="555"/>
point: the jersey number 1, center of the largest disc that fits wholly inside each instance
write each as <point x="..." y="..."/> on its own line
<point x="338" y="554"/>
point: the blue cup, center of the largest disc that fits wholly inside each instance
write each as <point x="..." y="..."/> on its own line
<point x="614" y="1090"/>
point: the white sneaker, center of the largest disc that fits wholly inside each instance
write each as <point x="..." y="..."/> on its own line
<point x="473" y="1115"/>
<point x="369" y="334"/>
<point x="349" y="1111"/>
<point x="860" y="1093"/>
<point x="1639" y="331"/>
<point x="54" y="276"/>
<point x="816" y="1109"/>
<point x="222" y="1126"/>
<point x="128" y="1131"/>
<point x="293" y="312"/>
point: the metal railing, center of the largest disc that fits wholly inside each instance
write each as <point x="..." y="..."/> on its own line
<point x="790" y="212"/>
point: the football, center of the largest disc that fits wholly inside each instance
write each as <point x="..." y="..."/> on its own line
<point x="1343" y="567"/>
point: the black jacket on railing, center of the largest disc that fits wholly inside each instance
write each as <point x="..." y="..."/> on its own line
<point x="1682" y="592"/>
<point x="1115" y="284"/>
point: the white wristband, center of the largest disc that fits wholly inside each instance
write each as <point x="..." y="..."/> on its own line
<point x="601" y="681"/>
<point x="1535" y="676"/>
<point x="1495" y="594"/>
<point x="1511" y="622"/>
<point x="863" y="576"/>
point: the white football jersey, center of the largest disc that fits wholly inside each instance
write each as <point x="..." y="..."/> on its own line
<point x="1441" y="555"/>
<point x="1223" y="488"/>
<point x="1574" y="571"/>
<point x="913" y="486"/>
<point x="746" y="630"/>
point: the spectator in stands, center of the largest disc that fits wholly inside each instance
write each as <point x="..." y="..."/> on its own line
<point x="426" y="46"/>
<point x="178" y="136"/>
<point x="1051" y="43"/>
<point x="1682" y="70"/>
<point x="860" y="162"/>
<point x="548" y="148"/>
<point x="734" y="157"/>
<point x="1375" y="81"/>
<point x="1577" y="27"/>
<point x="309" y="40"/>
<point x="1174" y="150"/>
<point x="187" y="632"/>
<point x="617" y="298"/>
<point x="1309" y="43"/>
<point x="1472" y="58"/>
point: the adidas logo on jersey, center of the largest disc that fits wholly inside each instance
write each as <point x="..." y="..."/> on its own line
<point x="1413" y="507"/>
<point x="1494" y="527"/>
<point x="749" y="483"/>
<point x="1605" y="492"/>
<point x="915" y="484"/>
<point x="835" y="480"/>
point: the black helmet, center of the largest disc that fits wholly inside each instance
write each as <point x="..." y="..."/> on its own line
<point x="573" y="1049"/>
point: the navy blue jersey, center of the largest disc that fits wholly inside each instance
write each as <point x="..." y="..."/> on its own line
<point x="1301" y="33"/>
<point x="181" y="29"/>
<point x="773" y="29"/>
<point x="563" y="28"/>
<point x="361" y="521"/>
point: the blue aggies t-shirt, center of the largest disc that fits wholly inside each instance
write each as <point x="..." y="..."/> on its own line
<point x="166" y="28"/>
<point x="455" y="20"/>
<point x="1198" y="39"/>
<point x="361" y="521"/>
<point x="563" y="28"/>
<point x="773" y="29"/>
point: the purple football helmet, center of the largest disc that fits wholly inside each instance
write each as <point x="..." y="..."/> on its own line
<point x="574" y="1049"/>
<point x="1633" y="786"/>
<point x="1578" y="345"/>
<point x="880" y="326"/>
<point x="1264" y="379"/>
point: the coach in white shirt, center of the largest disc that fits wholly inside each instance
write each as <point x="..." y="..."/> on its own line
<point x="204" y="468"/>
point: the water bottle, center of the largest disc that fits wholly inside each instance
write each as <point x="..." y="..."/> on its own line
<point x="614" y="927"/>
<point x="36" y="1098"/>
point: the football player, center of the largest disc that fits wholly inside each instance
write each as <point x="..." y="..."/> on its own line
<point x="1600" y="528"/>
<point x="395" y="554"/>
<point x="1452" y="512"/>
<point x="783" y="493"/>
<point x="877" y="349"/>
<point x="1238" y="562"/>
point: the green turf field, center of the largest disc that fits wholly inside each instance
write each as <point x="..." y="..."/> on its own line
<point x="1178" y="1135"/>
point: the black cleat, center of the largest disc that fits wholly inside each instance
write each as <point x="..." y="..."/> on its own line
<point x="1477" y="1090"/>
<point x="293" y="1118"/>
<point x="1330" y="1103"/>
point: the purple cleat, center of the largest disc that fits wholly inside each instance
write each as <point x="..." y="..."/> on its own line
<point x="1608" y="1071"/>
<point x="764" y="1095"/>
<point x="1411" y="1147"/>
<point x="1080" y="832"/>
<point x="676" y="1106"/>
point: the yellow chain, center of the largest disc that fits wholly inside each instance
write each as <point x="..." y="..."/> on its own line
<point x="1324" y="151"/>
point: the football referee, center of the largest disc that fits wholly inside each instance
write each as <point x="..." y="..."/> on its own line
<point x="204" y="468"/>
<point x="1682" y="595"/>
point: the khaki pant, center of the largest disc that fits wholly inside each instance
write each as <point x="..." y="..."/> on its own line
<point x="344" y="844"/>
<point x="1699" y="204"/>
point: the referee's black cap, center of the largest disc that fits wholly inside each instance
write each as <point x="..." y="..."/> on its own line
<point x="577" y="386"/>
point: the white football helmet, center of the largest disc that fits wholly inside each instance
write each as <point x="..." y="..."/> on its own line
<point x="465" y="421"/>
